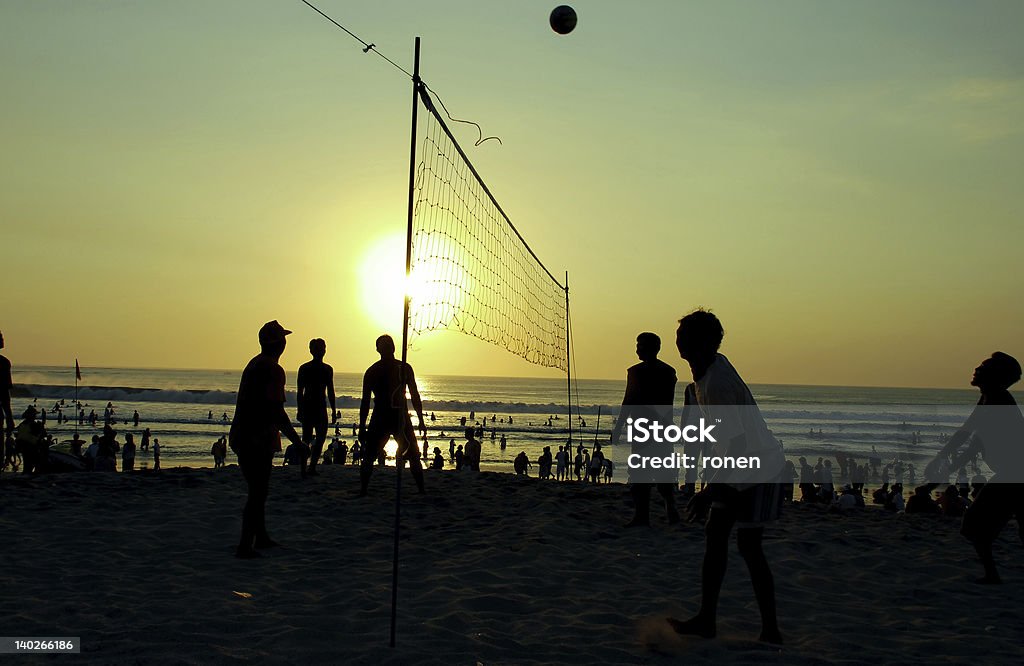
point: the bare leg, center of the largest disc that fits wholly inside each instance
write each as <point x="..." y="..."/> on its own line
<point x="984" y="549"/>
<point x="749" y="542"/>
<point x="712" y="573"/>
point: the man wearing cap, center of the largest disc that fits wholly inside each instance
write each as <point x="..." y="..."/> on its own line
<point x="387" y="380"/>
<point x="255" y="434"/>
<point x="5" y="390"/>
<point x="316" y="378"/>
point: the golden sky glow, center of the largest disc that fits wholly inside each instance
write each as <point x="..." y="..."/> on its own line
<point x="840" y="182"/>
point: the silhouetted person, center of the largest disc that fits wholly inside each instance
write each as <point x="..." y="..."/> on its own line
<point x="156" y="454"/>
<point x="521" y="464"/>
<point x="921" y="501"/>
<point x="128" y="453"/>
<point x="315" y="390"/>
<point x="387" y="380"/>
<point x="6" y="383"/>
<point x="995" y="429"/>
<point x="255" y="434"/>
<point x="650" y="382"/>
<point x="28" y="439"/>
<point x="438" y="459"/>
<point x="472" y="450"/>
<point x="719" y="390"/>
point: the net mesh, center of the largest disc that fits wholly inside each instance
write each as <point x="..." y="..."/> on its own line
<point x="471" y="271"/>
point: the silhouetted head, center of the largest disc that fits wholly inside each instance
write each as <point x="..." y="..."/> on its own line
<point x="998" y="372"/>
<point x="647" y="346"/>
<point x="272" y="338"/>
<point x="318" y="348"/>
<point x="29" y="413"/>
<point x="1" y="340"/>
<point x="469" y="433"/>
<point x="385" y="346"/>
<point x="699" y="335"/>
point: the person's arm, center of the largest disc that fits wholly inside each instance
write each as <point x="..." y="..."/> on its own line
<point x="623" y="412"/>
<point x="6" y="384"/>
<point x="284" y="423"/>
<point x="955" y="442"/>
<point x="939" y="468"/>
<point x="275" y="390"/>
<point x="299" y="392"/>
<point x="8" y="414"/>
<point x="414" y="394"/>
<point x="364" y="406"/>
<point x="330" y="394"/>
<point x="974" y="448"/>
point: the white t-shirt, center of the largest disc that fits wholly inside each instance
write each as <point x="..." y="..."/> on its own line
<point x="726" y="402"/>
<point x="1000" y="428"/>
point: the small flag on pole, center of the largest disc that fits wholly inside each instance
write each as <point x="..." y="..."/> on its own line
<point x="78" y="371"/>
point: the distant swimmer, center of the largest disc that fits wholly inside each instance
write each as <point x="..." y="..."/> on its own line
<point x="386" y="380"/>
<point x="315" y="390"/>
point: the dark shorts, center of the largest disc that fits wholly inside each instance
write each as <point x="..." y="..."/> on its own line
<point x="751" y="506"/>
<point x="378" y="432"/>
<point x="317" y="426"/>
<point x="995" y="505"/>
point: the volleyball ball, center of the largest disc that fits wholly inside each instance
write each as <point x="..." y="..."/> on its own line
<point x="563" y="19"/>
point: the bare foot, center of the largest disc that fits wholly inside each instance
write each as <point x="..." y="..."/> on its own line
<point x="696" y="626"/>
<point x="989" y="580"/>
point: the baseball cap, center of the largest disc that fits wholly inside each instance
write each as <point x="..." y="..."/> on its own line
<point x="272" y="332"/>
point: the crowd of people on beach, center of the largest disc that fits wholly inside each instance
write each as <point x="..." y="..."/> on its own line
<point x="30" y="448"/>
<point x="985" y="505"/>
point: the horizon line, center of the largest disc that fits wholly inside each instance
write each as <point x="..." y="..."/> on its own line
<point x="559" y="379"/>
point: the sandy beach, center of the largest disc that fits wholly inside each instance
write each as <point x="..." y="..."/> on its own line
<point x="496" y="569"/>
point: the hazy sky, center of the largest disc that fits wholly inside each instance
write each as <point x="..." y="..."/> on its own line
<point x="839" y="181"/>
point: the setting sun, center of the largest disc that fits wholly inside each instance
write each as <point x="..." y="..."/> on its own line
<point x="382" y="281"/>
<point x="435" y="287"/>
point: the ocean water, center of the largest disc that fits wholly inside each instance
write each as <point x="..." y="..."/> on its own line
<point x="888" y="423"/>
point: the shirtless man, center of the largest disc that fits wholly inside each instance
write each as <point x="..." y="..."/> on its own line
<point x="387" y="380"/>
<point x="315" y="378"/>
